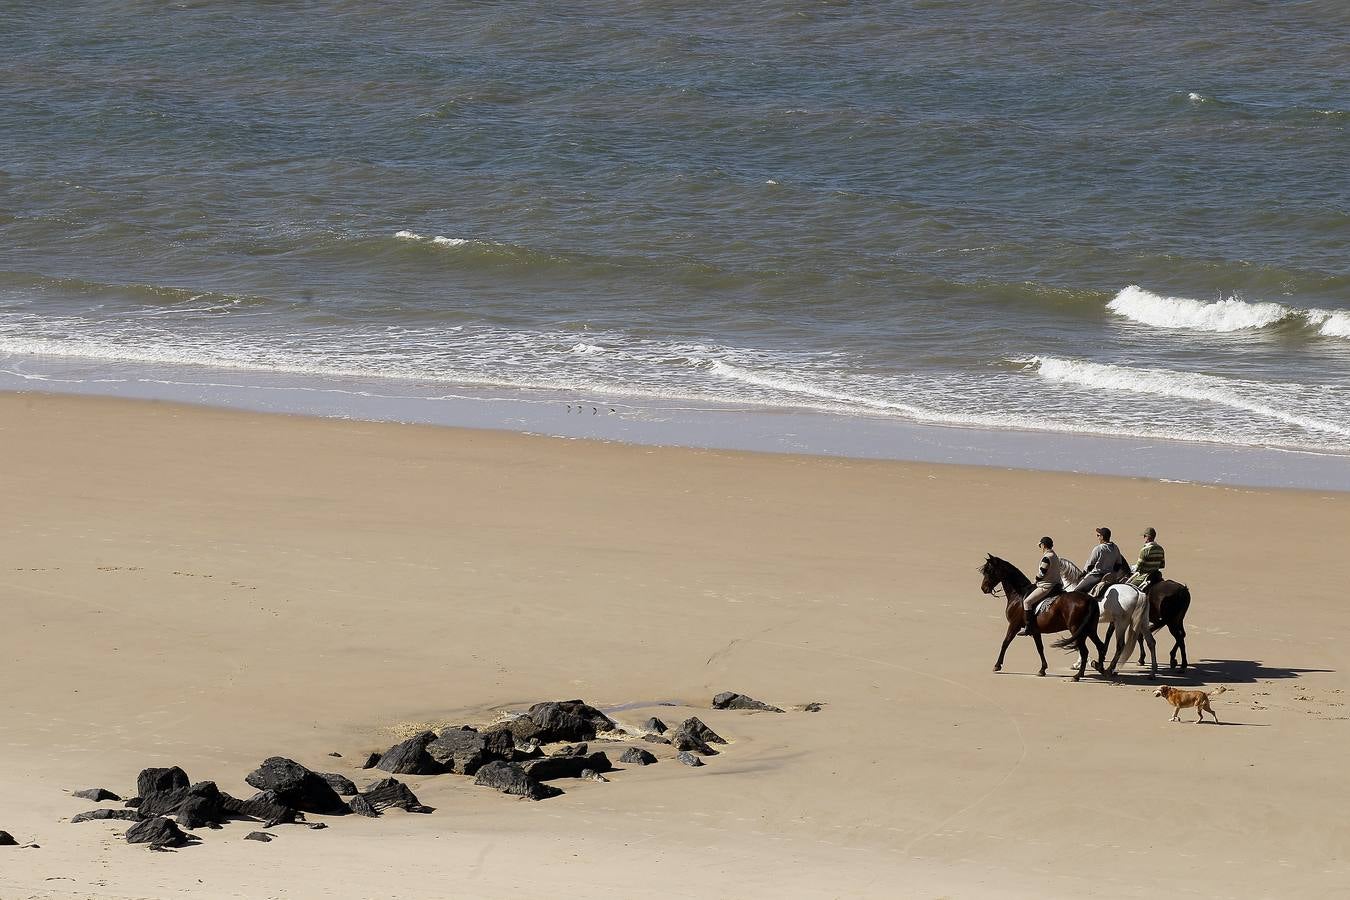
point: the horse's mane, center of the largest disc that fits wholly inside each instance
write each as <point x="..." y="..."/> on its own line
<point x="1072" y="574"/>
<point x="1016" y="579"/>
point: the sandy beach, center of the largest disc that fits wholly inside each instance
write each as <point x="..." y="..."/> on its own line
<point x="209" y="588"/>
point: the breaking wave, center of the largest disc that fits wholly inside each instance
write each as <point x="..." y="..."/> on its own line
<point x="1226" y="315"/>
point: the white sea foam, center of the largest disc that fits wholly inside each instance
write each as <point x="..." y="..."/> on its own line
<point x="1197" y="98"/>
<point x="1255" y="398"/>
<point x="584" y="349"/>
<point x="1229" y="314"/>
<point x="439" y="240"/>
<point x="1330" y="324"/>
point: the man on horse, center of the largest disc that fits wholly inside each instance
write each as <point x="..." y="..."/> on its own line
<point x="1151" y="561"/>
<point x="1048" y="578"/>
<point x="1104" y="560"/>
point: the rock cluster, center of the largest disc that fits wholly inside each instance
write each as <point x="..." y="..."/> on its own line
<point x="506" y="757"/>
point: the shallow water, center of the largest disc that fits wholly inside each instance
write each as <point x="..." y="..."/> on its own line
<point x="1083" y="218"/>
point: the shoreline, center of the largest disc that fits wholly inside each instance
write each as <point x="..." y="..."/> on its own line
<point x="706" y="426"/>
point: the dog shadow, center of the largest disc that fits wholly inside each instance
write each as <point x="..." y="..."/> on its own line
<point x="1232" y="671"/>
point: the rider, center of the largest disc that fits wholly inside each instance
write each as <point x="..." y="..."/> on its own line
<point x="1151" y="561"/>
<point x="1048" y="577"/>
<point x="1104" y="559"/>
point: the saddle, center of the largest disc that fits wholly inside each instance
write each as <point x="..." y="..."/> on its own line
<point x="1048" y="601"/>
<point x="1108" y="579"/>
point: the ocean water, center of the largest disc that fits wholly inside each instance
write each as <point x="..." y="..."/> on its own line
<point x="1110" y="219"/>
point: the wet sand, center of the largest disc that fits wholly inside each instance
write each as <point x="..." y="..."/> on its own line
<point x="208" y="588"/>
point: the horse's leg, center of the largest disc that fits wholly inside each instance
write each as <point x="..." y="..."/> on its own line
<point x="1040" y="651"/>
<point x="1007" y="639"/>
<point x="1152" y="652"/>
<point x="1179" y="634"/>
<point x="1101" y="645"/>
<point x="1120" y="651"/>
<point x="1153" y="626"/>
<point x="1082" y="657"/>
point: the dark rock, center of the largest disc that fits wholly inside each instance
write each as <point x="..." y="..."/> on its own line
<point x="316" y="826"/>
<point x="195" y="806"/>
<point x="265" y="806"/>
<point x="654" y="725"/>
<point x="732" y="700"/>
<point x="93" y="815"/>
<point x="567" y="720"/>
<point x="390" y="793"/>
<point x="696" y="727"/>
<point x="688" y="736"/>
<point x="158" y="781"/>
<point x="259" y="836"/>
<point x="7" y="840"/>
<point x="336" y="754"/>
<point x="465" y="750"/>
<point x="341" y="784"/>
<point x="571" y="750"/>
<point x="204" y="806"/>
<point x="410" y="757"/>
<point x="521" y="730"/>
<point x="527" y="750"/>
<point x="688" y="758"/>
<point x="371" y="761"/>
<point x="813" y="706"/>
<point x="132" y="802"/>
<point x="510" y="778"/>
<point x="592" y="775"/>
<point x="655" y="739"/>
<point x="569" y="766"/>
<point x="296" y="786"/>
<point x="637" y="756"/>
<point x="361" y="806"/>
<point x="157" y="832"/>
<point x="98" y="795"/>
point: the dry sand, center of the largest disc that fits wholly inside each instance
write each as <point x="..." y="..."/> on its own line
<point x="208" y="588"/>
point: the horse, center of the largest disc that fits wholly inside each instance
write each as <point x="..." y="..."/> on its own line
<point x="1121" y="607"/>
<point x="1074" y="612"/>
<point x="1124" y="606"/>
<point x="1168" y="602"/>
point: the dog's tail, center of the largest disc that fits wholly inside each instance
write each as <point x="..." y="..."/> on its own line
<point x="1089" y="624"/>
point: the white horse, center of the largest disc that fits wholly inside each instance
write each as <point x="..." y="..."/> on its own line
<point x="1124" y="608"/>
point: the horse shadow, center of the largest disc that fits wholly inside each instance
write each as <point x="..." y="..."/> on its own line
<point x="1234" y="671"/>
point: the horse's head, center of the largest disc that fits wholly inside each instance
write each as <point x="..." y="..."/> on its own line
<point x="990" y="573"/>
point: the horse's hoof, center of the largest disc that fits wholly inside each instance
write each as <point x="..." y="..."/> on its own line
<point x="998" y="668"/>
<point x="1075" y="678"/>
<point x="1041" y="673"/>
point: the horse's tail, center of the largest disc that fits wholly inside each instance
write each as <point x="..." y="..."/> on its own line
<point x="1138" y="625"/>
<point x="1089" y="624"/>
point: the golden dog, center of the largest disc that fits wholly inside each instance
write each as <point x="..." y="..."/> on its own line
<point x="1186" y="699"/>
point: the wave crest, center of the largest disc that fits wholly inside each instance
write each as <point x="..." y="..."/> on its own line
<point x="1229" y="314"/>
<point x="1226" y="315"/>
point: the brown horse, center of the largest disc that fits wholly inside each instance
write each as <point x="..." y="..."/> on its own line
<point x="1074" y="612"/>
<point x="1168" y="602"/>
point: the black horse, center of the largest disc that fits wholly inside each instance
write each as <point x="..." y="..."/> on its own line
<point x="1074" y="612"/>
